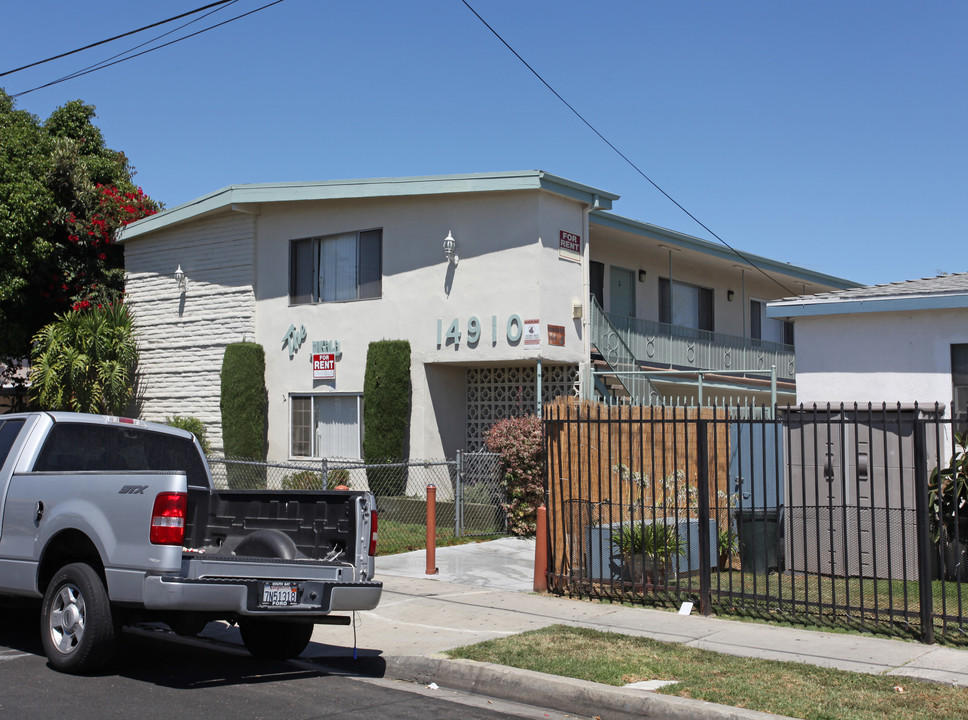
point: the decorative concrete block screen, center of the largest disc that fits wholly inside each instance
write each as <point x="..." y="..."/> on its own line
<point x="494" y="393"/>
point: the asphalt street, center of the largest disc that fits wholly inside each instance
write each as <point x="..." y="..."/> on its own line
<point x="157" y="675"/>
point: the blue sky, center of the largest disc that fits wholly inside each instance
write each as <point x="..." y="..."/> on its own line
<point x="830" y="134"/>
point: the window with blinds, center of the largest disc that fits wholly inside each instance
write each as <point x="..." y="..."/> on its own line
<point x="326" y="426"/>
<point x="336" y="268"/>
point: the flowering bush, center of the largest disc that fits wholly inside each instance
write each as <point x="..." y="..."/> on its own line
<point x="521" y="447"/>
<point x="92" y="259"/>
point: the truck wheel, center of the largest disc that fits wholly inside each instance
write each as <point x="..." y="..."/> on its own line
<point x="275" y="640"/>
<point x="76" y="627"/>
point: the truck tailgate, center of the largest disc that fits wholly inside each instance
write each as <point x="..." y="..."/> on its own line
<point x="261" y="587"/>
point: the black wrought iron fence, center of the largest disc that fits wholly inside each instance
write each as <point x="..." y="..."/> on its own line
<point x="840" y="516"/>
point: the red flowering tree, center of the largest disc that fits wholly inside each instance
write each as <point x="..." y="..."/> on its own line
<point x="92" y="262"/>
<point x="63" y="195"/>
<point x="520" y="443"/>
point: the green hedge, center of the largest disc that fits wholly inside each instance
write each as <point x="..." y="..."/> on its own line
<point x="244" y="406"/>
<point x="386" y="413"/>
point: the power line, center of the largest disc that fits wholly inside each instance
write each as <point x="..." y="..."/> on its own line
<point x="116" y="37"/>
<point x="105" y="63"/>
<point x="621" y="154"/>
<point x="145" y="52"/>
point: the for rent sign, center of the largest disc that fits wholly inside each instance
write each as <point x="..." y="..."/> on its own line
<point x="569" y="245"/>
<point x="324" y="366"/>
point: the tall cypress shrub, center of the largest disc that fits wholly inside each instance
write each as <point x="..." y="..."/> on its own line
<point x="386" y="413"/>
<point x="244" y="406"/>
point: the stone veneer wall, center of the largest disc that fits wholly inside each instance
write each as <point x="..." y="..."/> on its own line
<point x="182" y="336"/>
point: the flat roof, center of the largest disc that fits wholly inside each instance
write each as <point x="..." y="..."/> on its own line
<point x="236" y="195"/>
<point x="944" y="292"/>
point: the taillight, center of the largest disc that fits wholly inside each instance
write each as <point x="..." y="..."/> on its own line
<point x="168" y="519"/>
<point x="373" y="525"/>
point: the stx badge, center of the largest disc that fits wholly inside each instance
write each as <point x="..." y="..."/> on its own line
<point x="133" y="490"/>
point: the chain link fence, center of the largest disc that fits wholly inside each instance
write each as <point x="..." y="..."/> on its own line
<point x="469" y="493"/>
<point x="481" y="495"/>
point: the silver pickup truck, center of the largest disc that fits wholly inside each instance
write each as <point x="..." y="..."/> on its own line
<point x="113" y="521"/>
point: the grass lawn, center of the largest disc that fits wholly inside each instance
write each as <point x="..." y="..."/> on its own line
<point x="884" y="607"/>
<point x="793" y="689"/>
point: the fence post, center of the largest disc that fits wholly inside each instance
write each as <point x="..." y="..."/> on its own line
<point x="431" y="530"/>
<point x="541" y="551"/>
<point x="702" y="480"/>
<point x="925" y="590"/>
<point x="459" y="499"/>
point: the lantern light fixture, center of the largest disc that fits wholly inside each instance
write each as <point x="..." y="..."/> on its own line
<point x="450" y="248"/>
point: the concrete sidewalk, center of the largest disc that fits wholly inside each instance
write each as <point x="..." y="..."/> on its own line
<point x="483" y="591"/>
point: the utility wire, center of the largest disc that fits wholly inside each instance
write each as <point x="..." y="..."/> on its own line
<point x="621" y="154"/>
<point x="145" y="52"/>
<point x="116" y="37"/>
<point x="104" y="63"/>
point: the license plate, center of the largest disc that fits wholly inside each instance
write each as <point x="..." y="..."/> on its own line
<point x="280" y="593"/>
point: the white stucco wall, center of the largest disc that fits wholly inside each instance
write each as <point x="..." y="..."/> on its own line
<point x="878" y="357"/>
<point x="182" y="336"/>
<point x="731" y="316"/>
<point x="509" y="265"/>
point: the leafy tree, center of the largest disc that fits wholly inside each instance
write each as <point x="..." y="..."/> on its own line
<point x="63" y="194"/>
<point x="84" y="361"/>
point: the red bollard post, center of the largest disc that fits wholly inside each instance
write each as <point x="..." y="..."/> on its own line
<point x="431" y="530"/>
<point x="541" y="551"/>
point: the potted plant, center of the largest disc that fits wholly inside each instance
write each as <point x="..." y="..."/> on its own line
<point x="948" y="506"/>
<point x="647" y="550"/>
<point x="727" y="544"/>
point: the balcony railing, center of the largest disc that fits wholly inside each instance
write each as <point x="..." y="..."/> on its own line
<point x="674" y="346"/>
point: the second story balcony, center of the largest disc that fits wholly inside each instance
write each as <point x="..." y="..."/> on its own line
<point x="630" y="344"/>
<point x="682" y="348"/>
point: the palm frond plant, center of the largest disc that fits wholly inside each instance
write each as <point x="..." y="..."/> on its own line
<point x="648" y="549"/>
<point x="948" y="508"/>
<point x="85" y="360"/>
<point x="727" y="545"/>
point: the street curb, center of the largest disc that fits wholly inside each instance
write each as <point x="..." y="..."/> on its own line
<point x="580" y="697"/>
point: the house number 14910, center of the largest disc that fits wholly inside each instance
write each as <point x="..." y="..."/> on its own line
<point x="473" y="331"/>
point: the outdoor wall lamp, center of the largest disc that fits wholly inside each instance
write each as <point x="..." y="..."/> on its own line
<point x="181" y="279"/>
<point x="641" y="275"/>
<point x="729" y="295"/>
<point x="450" y="248"/>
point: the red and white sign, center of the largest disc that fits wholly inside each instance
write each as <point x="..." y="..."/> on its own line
<point x="532" y="333"/>
<point x="324" y="366"/>
<point x="569" y="245"/>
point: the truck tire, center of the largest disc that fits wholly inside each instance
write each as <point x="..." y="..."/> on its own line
<point x="275" y="640"/>
<point x="76" y="627"/>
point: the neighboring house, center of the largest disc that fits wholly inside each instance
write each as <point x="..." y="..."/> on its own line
<point x="901" y="342"/>
<point x="538" y="286"/>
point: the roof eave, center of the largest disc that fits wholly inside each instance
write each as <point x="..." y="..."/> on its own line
<point x="706" y="247"/>
<point x="798" y="307"/>
<point x="240" y="195"/>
